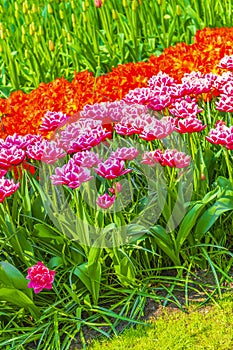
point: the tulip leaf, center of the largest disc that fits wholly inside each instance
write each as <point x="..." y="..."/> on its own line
<point x="19" y="298"/>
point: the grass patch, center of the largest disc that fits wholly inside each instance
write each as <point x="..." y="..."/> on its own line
<point x="207" y="328"/>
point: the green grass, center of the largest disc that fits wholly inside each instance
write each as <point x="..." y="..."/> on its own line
<point x="208" y="328"/>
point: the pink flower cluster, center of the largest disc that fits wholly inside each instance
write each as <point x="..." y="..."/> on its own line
<point x="170" y="157"/>
<point x="40" y="277"/>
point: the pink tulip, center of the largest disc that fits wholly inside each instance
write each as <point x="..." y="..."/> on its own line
<point x="170" y="157"/>
<point x="52" y="152"/>
<point x="158" y="129"/>
<point x="11" y="156"/>
<point x="15" y="140"/>
<point x="125" y="153"/>
<point x="112" y="168"/>
<point x="40" y="277"/>
<point x="184" y="108"/>
<point x="36" y="150"/>
<point x="7" y="188"/>
<point x="71" y="175"/>
<point x="133" y="125"/>
<point x="189" y="125"/>
<point x="86" y="159"/>
<point x="219" y="134"/>
<point x="139" y="95"/>
<point x="105" y="201"/>
<point x="53" y="120"/>
<point x="161" y="79"/>
<point x="98" y="3"/>
<point x="226" y="62"/>
<point x="225" y="104"/>
<point x="152" y="157"/>
<point x="174" y="158"/>
<point x="106" y="111"/>
<point x="117" y="188"/>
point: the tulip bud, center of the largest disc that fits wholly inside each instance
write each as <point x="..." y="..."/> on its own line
<point x="23" y="30"/>
<point x="1" y="33"/>
<point x="36" y="38"/>
<point x="84" y="6"/>
<point x="61" y="14"/>
<point x="50" y="10"/>
<point x="25" y="7"/>
<point x="114" y="14"/>
<point x="203" y="177"/>
<point x="41" y="32"/>
<point x="72" y="5"/>
<point x="27" y="20"/>
<point x="51" y="46"/>
<point x="17" y="15"/>
<point x="134" y="5"/>
<point x="69" y="38"/>
<point x="178" y="10"/>
<point x="166" y="16"/>
<point x="73" y="19"/>
<point x="124" y="3"/>
<point x="34" y="9"/>
<point x="159" y="2"/>
<point x="84" y="17"/>
<point x="26" y="53"/>
<point x="98" y="3"/>
<point x="32" y="28"/>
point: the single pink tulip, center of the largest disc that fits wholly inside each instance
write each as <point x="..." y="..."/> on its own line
<point x="40" y="277"/>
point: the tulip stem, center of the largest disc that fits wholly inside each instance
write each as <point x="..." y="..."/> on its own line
<point x="229" y="166"/>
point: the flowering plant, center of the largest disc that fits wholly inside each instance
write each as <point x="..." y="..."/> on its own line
<point x="40" y="277"/>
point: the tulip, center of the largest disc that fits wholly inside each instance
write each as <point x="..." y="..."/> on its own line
<point x="105" y="201"/>
<point x="40" y="277"/>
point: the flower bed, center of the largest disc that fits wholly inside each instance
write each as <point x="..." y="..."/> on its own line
<point x="22" y="113"/>
<point x="100" y="198"/>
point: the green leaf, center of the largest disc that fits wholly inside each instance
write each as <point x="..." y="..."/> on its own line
<point x="81" y="272"/>
<point x="10" y="276"/>
<point x="211" y="215"/>
<point x="38" y="210"/>
<point x="191" y="217"/>
<point x="125" y="271"/>
<point x="46" y="232"/>
<point x="17" y="297"/>
<point x="164" y="242"/>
